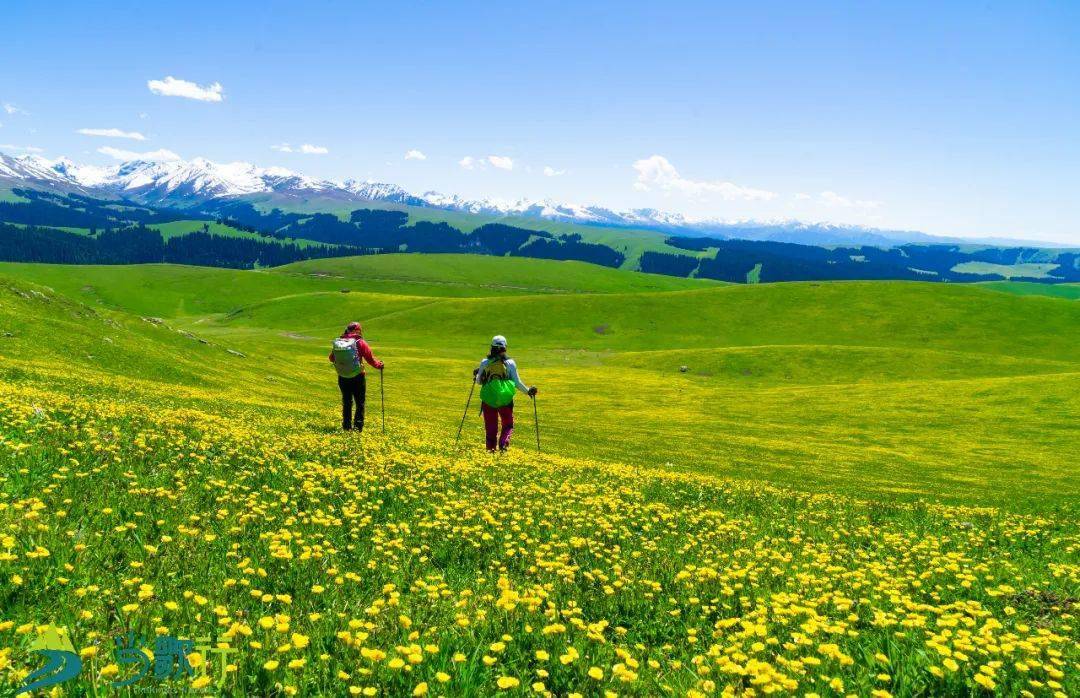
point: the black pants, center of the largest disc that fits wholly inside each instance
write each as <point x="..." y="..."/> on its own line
<point x="352" y="390"/>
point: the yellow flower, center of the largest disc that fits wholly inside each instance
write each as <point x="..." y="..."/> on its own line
<point x="271" y="664"/>
<point x="596" y="673"/>
<point x="507" y="682"/>
<point x="421" y="689"/>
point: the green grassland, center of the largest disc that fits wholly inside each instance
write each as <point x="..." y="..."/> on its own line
<point x="864" y="488"/>
<point x="1030" y="288"/>
<point x="872" y="387"/>
<point x="6" y="194"/>
<point x="472" y="275"/>
<point x="1030" y="270"/>
<point x="181" y="228"/>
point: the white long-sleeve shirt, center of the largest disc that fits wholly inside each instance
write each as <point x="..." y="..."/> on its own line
<point x="511" y="371"/>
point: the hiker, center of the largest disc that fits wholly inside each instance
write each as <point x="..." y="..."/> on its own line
<point x="347" y="355"/>
<point x="498" y="378"/>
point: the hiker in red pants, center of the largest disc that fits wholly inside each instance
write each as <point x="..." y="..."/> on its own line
<point x="498" y="379"/>
<point x="347" y="355"/>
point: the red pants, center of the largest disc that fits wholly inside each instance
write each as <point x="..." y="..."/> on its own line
<point x="491" y="425"/>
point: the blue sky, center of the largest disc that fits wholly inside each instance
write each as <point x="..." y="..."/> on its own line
<point x="952" y="118"/>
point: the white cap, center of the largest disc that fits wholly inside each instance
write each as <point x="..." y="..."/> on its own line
<point x="498" y="341"/>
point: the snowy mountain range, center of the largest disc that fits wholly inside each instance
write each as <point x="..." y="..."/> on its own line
<point x="181" y="183"/>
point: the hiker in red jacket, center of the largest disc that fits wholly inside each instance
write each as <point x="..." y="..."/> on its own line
<point x="348" y="354"/>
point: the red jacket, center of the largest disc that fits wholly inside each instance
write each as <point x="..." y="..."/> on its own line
<point x="365" y="351"/>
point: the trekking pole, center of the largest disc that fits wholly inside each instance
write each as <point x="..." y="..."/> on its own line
<point x="466" y="413"/>
<point x="382" y="400"/>
<point x="536" y="421"/>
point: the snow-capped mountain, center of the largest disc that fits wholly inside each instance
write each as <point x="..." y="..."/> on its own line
<point x="176" y="181"/>
<point x="193" y="183"/>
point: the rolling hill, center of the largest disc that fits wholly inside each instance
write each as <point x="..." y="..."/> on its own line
<point x="779" y="377"/>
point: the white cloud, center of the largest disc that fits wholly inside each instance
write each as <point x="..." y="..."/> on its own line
<point x="831" y="198"/>
<point x="143" y="115"/>
<point x="501" y="162"/>
<point x="657" y="173"/>
<point x="171" y="87"/>
<point x="12" y="109"/>
<point x="305" y="149"/>
<point x="801" y="196"/>
<point x="21" y="148"/>
<point x="415" y="154"/>
<point x="157" y="155"/>
<point x="112" y="133"/>
<point x="552" y="172"/>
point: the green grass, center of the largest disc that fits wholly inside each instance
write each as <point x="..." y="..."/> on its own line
<point x="853" y="487"/>
<point x="1030" y="288"/>
<point x="1031" y="270"/>
<point x="874" y="387"/>
<point x="181" y="228"/>
<point x="6" y="194"/>
<point x="476" y="274"/>
<point x="67" y="229"/>
<point x="754" y="275"/>
<point x="181" y="291"/>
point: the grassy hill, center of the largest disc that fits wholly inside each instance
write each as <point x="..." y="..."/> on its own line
<point x="780" y="378"/>
<point x="1027" y="288"/>
<point x="854" y="487"/>
<point x="470" y="275"/>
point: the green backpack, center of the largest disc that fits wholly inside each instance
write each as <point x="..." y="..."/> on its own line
<point x="496" y="387"/>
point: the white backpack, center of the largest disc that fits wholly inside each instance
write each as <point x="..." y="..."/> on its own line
<point x="347" y="357"/>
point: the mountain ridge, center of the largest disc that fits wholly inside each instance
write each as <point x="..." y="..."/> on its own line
<point x="194" y="182"/>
